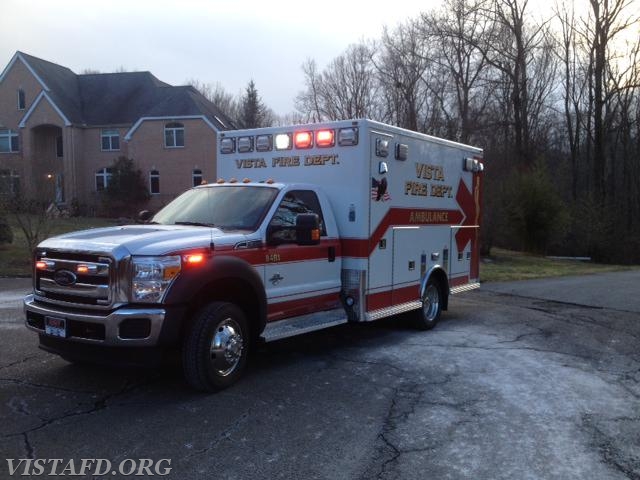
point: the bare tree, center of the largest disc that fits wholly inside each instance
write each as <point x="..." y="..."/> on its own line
<point x="455" y="30"/>
<point x="607" y="20"/>
<point x="228" y="103"/>
<point x="344" y="89"/>
<point x="401" y="65"/>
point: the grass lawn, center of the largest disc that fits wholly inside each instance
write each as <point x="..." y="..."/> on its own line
<point x="15" y="259"/>
<point x="505" y="265"/>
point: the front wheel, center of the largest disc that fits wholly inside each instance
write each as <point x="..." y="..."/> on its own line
<point x="429" y="314"/>
<point x="215" y="349"/>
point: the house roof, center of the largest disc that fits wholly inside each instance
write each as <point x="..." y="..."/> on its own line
<point x="119" y="98"/>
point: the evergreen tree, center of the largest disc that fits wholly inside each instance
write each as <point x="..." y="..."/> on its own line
<point x="252" y="114"/>
<point x="127" y="189"/>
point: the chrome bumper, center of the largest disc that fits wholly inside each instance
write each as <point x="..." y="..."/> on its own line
<point x="111" y="323"/>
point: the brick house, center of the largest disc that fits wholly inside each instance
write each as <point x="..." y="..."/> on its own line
<point x="60" y="132"/>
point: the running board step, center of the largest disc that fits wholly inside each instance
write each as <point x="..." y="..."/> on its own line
<point x="303" y="324"/>
<point x="465" y="288"/>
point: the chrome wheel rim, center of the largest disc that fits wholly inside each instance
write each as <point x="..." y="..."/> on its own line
<point x="227" y="346"/>
<point x="430" y="303"/>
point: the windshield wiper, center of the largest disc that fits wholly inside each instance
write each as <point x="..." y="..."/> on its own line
<point x="195" y="224"/>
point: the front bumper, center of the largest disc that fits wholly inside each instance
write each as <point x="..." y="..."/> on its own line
<point x="130" y="327"/>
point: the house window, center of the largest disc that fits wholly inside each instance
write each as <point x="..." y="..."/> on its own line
<point x="21" y="100"/>
<point x="110" y="140"/>
<point x="59" y="149"/>
<point x="102" y="178"/>
<point x="196" y="177"/>
<point x="174" y="135"/>
<point x="9" y="182"/>
<point x="9" y="141"/>
<point x="154" y="182"/>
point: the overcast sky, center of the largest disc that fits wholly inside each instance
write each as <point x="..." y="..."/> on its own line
<point x="226" y="41"/>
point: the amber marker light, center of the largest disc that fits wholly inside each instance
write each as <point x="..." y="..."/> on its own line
<point x="194" y="259"/>
<point x="40" y="265"/>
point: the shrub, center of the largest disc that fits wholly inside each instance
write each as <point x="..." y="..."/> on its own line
<point x="127" y="190"/>
<point x="6" y="233"/>
<point x="535" y="212"/>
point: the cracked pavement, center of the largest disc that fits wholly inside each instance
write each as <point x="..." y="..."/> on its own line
<point x="521" y="380"/>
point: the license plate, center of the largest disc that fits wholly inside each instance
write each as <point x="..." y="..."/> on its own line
<point x="56" y="327"/>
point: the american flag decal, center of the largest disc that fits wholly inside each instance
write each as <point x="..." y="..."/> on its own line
<point x="379" y="191"/>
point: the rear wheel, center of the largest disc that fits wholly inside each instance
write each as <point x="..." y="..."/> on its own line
<point x="429" y="314"/>
<point x="215" y="349"/>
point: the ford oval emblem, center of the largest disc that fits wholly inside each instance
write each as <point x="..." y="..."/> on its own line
<point x="65" y="278"/>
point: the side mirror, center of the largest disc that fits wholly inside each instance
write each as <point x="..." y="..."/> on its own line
<point x="144" y="216"/>
<point x="307" y="229"/>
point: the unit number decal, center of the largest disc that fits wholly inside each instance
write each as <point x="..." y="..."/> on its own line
<point x="272" y="257"/>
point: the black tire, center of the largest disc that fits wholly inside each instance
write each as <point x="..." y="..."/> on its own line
<point x="216" y="347"/>
<point x="428" y="315"/>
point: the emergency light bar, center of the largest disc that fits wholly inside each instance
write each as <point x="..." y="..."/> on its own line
<point x="304" y="140"/>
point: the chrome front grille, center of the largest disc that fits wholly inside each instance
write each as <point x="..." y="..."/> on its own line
<point x="74" y="279"/>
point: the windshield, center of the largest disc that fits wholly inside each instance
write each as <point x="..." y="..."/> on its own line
<point x="228" y="207"/>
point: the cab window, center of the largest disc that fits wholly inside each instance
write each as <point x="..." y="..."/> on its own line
<point x="293" y="204"/>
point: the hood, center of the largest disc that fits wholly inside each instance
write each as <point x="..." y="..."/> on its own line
<point x="141" y="239"/>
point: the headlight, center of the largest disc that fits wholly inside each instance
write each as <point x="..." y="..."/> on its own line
<point x="152" y="276"/>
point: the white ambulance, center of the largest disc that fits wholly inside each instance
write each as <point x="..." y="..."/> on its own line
<point x="309" y="226"/>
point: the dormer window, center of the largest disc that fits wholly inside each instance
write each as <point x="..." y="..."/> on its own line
<point x="22" y="103"/>
<point x="174" y="135"/>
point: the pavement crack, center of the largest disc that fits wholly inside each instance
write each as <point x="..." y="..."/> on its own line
<point x="17" y="362"/>
<point x="488" y="348"/>
<point x="610" y="449"/>
<point x="26" y="383"/>
<point x="540" y="333"/>
<point x="98" y="405"/>
<point x="30" y="451"/>
<point x="222" y="436"/>
<point x="403" y="403"/>
<point x="369" y="362"/>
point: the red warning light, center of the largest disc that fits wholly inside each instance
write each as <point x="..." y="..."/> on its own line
<point x="303" y="139"/>
<point x="325" y="138"/>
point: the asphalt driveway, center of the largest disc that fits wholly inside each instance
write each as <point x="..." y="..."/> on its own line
<point x="525" y="380"/>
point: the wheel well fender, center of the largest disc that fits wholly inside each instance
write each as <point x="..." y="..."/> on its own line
<point x="438" y="274"/>
<point x="226" y="279"/>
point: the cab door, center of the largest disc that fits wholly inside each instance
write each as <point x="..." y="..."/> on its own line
<point x="300" y="279"/>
